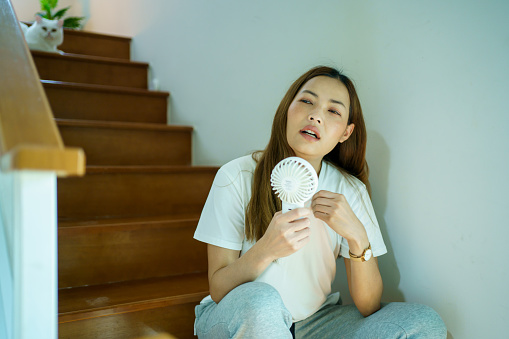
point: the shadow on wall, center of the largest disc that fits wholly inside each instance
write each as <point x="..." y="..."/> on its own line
<point x="379" y="160"/>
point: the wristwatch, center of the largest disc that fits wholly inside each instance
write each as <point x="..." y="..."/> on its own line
<point x="365" y="256"/>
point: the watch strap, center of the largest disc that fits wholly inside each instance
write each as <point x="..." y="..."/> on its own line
<point x="359" y="257"/>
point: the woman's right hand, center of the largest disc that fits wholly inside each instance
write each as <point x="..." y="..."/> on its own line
<point x="287" y="233"/>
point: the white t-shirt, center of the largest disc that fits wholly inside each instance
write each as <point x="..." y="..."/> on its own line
<point x="304" y="278"/>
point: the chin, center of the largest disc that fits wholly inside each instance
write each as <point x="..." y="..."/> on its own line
<point x="307" y="151"/>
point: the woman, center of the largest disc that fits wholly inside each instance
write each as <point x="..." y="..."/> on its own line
<point x="270" y="274"/>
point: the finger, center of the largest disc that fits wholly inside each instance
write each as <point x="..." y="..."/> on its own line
<point x="303" y="242"/>
<point x="322" y="202"/>
<point x="326" y="218"/>
<point x="299" y="224"/>
<point x="323" y="213"/>
<point x="322" y="216"/>
<point x="323" y="208"/>
<point x="326" y="194"/>
<point x="297" y="213"/>
<point x="302" y="235"/>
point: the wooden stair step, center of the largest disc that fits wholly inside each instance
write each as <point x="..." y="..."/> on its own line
<point x="65" y="223"/>
<point x="128" y="263"/>
<point x="94" y="252"/>
<point x="110" y="103"/>
<point x="95" y="44"/>
<point x="119" y="191"/>
<point x="125" y="143"/>
<point x="87" y="43"/>
<point x="90" y="69"/>
<point x="127" y="309"/>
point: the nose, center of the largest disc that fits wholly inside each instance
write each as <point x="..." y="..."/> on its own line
<point x="315" y="116"/>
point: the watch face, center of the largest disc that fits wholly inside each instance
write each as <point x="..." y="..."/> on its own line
<point x="367" y="255"/>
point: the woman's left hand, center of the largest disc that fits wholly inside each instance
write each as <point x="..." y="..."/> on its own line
<point x="364" y="280"/>
<point x="334" y="209"/>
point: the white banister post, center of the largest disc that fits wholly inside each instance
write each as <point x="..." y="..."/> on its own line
<point x="6" y="287"/>
<point x="29" y="212"/>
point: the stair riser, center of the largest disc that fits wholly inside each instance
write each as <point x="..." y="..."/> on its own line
<point x="176" y="320"/>
<point x="76" y="42"/>
<point x="93" y="255"/>
<point x="81" y="104"/>
<point x="122" y="146"/>
<point x="126" y="194"/>
<point x="57" y="68"/>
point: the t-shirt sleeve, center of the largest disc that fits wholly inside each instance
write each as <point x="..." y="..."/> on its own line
<point x="363" y="209"/>
<point x="222" y="219"/>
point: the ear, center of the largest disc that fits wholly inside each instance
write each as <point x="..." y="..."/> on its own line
<point x="60" y="23"/>
<point x="38" y="18"/>
<point x="347" y="133"/>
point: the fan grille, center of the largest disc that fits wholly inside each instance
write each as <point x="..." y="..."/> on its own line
<point x="294" y="180"/>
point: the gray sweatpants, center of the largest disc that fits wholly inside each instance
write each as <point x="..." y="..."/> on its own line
<point x="255" y="310"/>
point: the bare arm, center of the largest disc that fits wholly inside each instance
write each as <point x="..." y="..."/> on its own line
<point x="227" y="270"/>
<point x="365" y="284"/>
<point x="364" y="279"/>
<point x="286" y="234"/>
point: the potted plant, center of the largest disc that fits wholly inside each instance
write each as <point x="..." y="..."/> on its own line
<point x="48" y="12"/>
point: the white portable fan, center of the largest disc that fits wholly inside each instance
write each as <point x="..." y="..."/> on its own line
<point x="295" y="181"/>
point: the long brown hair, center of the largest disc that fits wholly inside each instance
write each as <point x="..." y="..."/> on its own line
<point x="349" y="156"/>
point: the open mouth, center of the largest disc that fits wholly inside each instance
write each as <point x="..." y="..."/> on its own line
<point x="310" y="133"/>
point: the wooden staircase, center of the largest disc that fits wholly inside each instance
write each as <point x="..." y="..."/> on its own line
<point x="128" y="265"/>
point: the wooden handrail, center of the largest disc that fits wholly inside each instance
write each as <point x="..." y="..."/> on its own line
<point x="29" y="137"/>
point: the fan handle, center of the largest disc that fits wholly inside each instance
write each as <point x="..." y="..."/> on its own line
<point x="287" y="207"/>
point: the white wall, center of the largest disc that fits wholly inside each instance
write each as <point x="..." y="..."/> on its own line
<point x="226" y="63"/>
<point x="432" y="78"/>
<point x="26" y="9"/>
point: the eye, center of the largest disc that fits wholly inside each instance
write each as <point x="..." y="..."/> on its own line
<point x="334" y="112"/>
<point x="44" y="28"/>
<point x="305" y="101"/>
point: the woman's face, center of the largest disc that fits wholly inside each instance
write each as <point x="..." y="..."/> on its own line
<point x="318" y="119"/>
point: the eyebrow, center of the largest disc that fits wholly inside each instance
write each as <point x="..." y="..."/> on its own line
<point x="331" y="100"/>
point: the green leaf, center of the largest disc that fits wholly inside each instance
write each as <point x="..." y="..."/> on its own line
<point x="44" y="15"/>
<point x="46" y="8"/>
<point x="73" y="22"/>
<point x="61" y="13"/>
<point x="53" y="3"/>
<point x="47" y="5"/>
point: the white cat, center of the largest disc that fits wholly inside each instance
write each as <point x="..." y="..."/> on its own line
<point x="44" y="35"/>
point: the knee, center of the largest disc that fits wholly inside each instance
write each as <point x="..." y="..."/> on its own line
<point x="432" y="323"/>
<point x="260" y="301"/>
<point x="418" y="319"/>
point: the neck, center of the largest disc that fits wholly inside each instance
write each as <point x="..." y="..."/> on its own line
<point x="315" y="162"/>
<point x="318" y="167"/>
